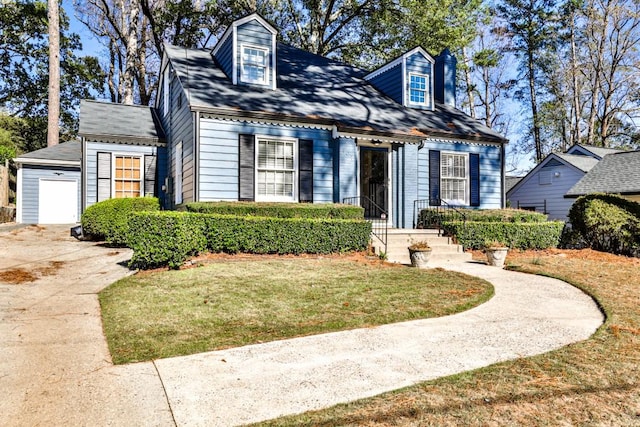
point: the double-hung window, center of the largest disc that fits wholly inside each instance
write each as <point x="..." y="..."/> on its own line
<point x="454" y="178"/>
<point x="255" y="65"/>
<point x="276" y="169"/>
<point x="418" y="89"/>
<point x="128" y="176"/>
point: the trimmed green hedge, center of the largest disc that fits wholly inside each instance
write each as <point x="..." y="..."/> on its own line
<point x="169" y="238"/>
<point x="278" y="210"/>
<point x="108" y="220"/>
<point x="532" y="235"/>
<point x="606" y="222"/>
<point x="429" y="217"/>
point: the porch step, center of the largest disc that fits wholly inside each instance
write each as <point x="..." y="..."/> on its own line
<point x="398" y="240"/>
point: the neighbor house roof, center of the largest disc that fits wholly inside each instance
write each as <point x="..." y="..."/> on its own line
<point x="64" y="154"/>
<point x="315" y="90"/>
<point x="617" y="173"/>
<point x="511" y="181"/>
<point x="599" y="152"/>
<point x="119" y="123"/>
<point x="584" y="163"/>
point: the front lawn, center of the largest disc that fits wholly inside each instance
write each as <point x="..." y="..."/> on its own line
<point x="591" y="383"/>
<point x="245" y="300"/>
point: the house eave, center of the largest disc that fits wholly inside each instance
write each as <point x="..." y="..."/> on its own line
<point x="123" y="139"/>
<point x="46" y="162"/>
<point x="415" y="137"/>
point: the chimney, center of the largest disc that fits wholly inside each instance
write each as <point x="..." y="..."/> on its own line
<point x="445" y="78"/>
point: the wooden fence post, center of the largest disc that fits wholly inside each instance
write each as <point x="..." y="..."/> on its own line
<point x="4" y="184"/>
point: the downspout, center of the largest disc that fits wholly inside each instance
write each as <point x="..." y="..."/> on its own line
<point x="196" y="157"/>
<point x="502" y="172"/>
<point x="83" y="175"/>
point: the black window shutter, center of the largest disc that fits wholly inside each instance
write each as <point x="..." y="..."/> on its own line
<point x="305" y="170"/>
<point x="247" y="169"/>
<point x="149" y="175"/>
<point x="104" y="176"/>
<point x="434" y="178"/>
<point x="474" y="172"/>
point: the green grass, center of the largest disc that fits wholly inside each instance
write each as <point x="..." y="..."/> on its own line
<point x="595" y="382"/>
<point x="240" y="302"/>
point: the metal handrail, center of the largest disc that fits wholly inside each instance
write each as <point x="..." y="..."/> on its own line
<point x="442" y="211"/>
<point x="377" y="216"/>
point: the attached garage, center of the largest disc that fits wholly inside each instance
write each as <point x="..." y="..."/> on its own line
<point x="48" y="185"/>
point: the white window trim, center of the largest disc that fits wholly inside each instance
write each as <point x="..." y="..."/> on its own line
<point x="467" y="177"/>
<point x="113" y="171"/>
<point x="260" y="198"/>
<point x="427" y="90"/>
<point x="267" y="68"/>
<point x="178" y="159"/>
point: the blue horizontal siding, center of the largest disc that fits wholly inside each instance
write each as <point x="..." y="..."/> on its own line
<point x="390" y="83"/>
<point x="254" y="34"/>
<point x="490" y="171"/>
<point x="225" y="56"/>
<point x="91" y="163"/>
<point x="218" y="178"/>
<point x="418" y="64"/>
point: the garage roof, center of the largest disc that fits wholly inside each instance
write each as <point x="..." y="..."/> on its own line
<point x="64" y="154"/>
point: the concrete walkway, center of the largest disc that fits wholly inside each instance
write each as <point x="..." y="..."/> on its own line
<point x="55" y="367"/>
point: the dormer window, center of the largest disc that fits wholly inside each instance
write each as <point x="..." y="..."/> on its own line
<point x="418" y="89"/>
<point x="255" y="67"/>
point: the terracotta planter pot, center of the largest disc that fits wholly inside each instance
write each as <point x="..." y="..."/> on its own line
<point x="419" y="257"/>
<point x="496" y="256"/>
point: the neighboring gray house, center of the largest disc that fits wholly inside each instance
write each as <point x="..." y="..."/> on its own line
<point x="544" y="187"/>
<point x="48" y="185"/>
<point x="254" y="119"/>
<point x="617" y="173"/>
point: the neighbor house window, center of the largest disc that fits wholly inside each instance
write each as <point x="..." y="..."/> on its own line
<point x="454" y="178"/>
<point x="276" y="169"/>
<point x="418" y="89"/>
<point x="128" y="179"/>
<point x="255" y="67"/>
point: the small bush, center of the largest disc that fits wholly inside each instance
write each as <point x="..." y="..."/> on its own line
<point x="165" y="238"/>
<point x="278" y="210"/>
<point x="108" y="220"/>
<point x="533" y="235"/>
<point x="607" y="223"/>
<point x="169" y="238"/>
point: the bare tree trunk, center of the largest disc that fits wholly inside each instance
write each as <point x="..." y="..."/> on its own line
<point x="469" y="84"/>
<point x="534" y="108"/>
<point x="131" y="53"/>
<point x="53" y="115"/>
<point x="576" y="136"/>
<point x="597" y="70"/>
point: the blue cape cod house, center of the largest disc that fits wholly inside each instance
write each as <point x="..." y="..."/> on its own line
<point x="254" y="119"/>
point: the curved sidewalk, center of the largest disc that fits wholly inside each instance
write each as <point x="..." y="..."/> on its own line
<point x="528" y="315"/>
<point x="56" y="366"/>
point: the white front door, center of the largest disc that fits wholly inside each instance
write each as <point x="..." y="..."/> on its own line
<point x="58" y="201"/>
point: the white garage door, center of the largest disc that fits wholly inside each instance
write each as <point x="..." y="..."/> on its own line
<point x="58" y="202"/>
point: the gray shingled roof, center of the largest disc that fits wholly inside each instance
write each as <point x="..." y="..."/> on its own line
<point x="314" y="89"/>
<point x="616" y="173"/>
<point x="584" y="163"/>
<point x="600" y="151"/>
<point x="511" y="181"/>
<point x="109" y="122"/>
<point x="66" y="153"/>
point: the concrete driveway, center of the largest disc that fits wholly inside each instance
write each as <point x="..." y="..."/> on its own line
<point x="55" y="367"/>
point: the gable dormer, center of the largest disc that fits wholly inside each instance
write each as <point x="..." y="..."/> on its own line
<point x="408" y="80"/>
<point x="246" y="52"/>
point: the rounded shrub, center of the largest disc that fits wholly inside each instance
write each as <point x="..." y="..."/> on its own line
<point x="109" y="220"/>
<point x="607" y="223"/>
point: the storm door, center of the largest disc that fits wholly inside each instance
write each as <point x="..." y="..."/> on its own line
<point x="374" y="194"/>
